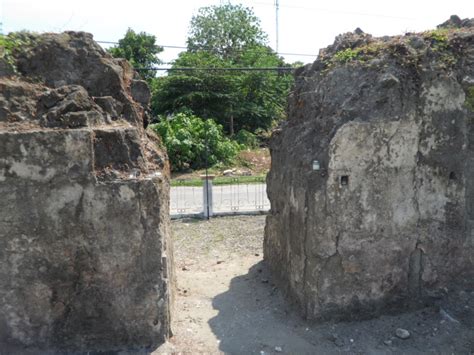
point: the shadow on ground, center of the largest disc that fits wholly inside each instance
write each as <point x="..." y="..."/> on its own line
<point x="254" y="318"/>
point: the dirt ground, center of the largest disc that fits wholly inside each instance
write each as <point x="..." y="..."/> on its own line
<point x="226" y="303"/>
<point x="255" y="162"/>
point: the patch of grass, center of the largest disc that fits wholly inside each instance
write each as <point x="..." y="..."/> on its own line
<point x="346" y="55"/>
<point x="439" y="36"/>
<point x="221" y="180"/>
<point x="362" y="53"/>
<point x="439" y="45"/>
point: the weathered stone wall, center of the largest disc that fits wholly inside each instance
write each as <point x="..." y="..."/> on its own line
<point x="389" y="217"/>
<point x="85" y="256"/>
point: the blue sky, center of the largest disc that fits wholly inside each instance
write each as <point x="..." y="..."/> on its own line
<point x="305" y="25"/>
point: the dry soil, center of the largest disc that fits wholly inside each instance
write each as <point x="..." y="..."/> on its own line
<point x="226" y="303"/>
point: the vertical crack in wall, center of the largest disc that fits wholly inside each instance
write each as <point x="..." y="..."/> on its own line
<point x="415" y="272"/>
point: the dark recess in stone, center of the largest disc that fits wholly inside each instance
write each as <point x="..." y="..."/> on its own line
<point x="344" y="180"/>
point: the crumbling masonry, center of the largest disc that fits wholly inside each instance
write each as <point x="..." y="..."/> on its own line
<point x="84" y="225"/>
<point x="372" y="178"/>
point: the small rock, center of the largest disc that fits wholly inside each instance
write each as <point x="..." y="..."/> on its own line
<point x="417" y="42"/>
<point x="446" y="316"/>
<point x="278" y="349"/>
<point x="402" y="333"/>
<point x="228" y="172"/>
<point x="388" y="342"/>
<point x="336" y="340"/>
<point x="388" y="80"/>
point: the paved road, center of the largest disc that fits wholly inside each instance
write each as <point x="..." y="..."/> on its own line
<point x="226" y="198"/>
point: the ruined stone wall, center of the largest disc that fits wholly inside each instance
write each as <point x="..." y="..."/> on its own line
<point x="84" y="203"/>
<point x="388" y="219"/>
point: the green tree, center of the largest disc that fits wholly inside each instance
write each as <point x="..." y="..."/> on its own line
<point x="222" y="37"/>
<point x="140" y="49"/>
<point x="225" y="30"/>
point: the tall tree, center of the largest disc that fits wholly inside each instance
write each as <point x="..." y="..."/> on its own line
<point x="221" y="37"/>
<point x="225" y="30"/>
<point x="140" y="49"/>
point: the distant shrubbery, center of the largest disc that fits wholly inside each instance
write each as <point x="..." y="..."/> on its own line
<point x="185" y="137"/>
<point x="247" y="139"/>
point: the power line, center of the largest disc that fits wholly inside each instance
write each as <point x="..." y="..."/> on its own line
<point x="160" y="45"/>
<point x="277" y="69"/>
<point x="209" y="49"/>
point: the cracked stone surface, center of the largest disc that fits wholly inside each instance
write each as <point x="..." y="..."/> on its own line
<point x="85" y="255"/>
<point x="387" y="222"/>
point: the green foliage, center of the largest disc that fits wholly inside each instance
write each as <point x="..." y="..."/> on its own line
<point x="361" y="53"/>
<point x="439" y="36"/>
<point x="346" y="55"/>
<point x="140" y="49"/>
<point x="470" y="98"/>
<point x="225" y="30"/>
<point x="221" y="180"/>
<point x="185" y="137"/>
<point x="254" y="99"/>
<point x="227" y="36"/>
<point x="247" y="139"/>
<point x="13" y="42"/>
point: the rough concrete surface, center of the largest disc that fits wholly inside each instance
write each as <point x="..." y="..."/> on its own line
<point x="85" y="260"/>
<point x="387" y="221"/>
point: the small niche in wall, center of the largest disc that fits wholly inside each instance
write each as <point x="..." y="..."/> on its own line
<point x="452" y="176"/>
<point x="344" y="180"/>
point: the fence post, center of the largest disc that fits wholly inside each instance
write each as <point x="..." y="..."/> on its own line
<point x="207" y="195"/>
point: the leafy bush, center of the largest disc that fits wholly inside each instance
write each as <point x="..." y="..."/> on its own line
<point x="247" y="139"/>
<point x="185" y="137"/>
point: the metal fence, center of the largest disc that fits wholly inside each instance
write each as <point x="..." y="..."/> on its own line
<point x="237" y="197"/>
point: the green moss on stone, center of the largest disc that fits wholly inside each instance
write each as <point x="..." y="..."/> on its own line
<point x="469" y="103"/>
<point x="13" y="43"/>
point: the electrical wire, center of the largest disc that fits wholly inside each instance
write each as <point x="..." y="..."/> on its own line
<point x="209" y="49"/>
<point x="277" y="69"/>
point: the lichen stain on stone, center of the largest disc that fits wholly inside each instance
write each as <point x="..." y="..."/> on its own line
<point x="29" y="171"/>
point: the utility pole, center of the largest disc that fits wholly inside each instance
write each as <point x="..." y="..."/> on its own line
<point x="277" y="7"/>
